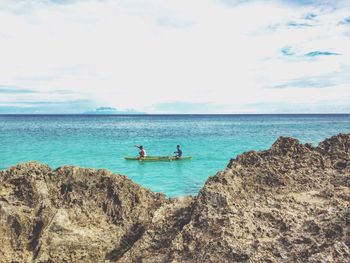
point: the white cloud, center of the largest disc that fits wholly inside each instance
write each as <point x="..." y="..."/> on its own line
<point x="139" y="53"/>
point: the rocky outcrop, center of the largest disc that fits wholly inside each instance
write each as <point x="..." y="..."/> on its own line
<point x="71" y="214"/>
<point x="290" y="203"/>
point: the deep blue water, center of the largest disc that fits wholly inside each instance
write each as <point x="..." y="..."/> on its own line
<point x="103" y="141"/>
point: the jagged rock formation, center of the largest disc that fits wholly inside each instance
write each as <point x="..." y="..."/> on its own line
<point x="70" y="214"/>
<point x="290" y="203"/>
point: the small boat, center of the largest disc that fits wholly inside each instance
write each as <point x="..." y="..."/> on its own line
<point x="158" y="158"/>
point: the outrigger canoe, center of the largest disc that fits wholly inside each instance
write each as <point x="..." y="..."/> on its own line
<point x="158" y="158"/>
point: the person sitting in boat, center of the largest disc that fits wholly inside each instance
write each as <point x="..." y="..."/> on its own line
<point x="178" y="152"/>
<point x="142" y="151"/>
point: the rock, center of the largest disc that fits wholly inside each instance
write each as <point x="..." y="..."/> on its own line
<point x="290" y="203"/>
<point x="71" y="214"/>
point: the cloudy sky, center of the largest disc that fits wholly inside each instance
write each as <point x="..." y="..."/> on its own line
<point x="175" y="56"/>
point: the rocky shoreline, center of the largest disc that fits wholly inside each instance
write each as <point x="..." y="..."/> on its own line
<point x="290" y="203"/>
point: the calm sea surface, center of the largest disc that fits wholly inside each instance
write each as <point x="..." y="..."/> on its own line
<point x="103" y="141"/>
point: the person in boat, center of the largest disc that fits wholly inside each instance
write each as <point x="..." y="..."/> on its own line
<point x="142" y="151"/>
<point x="178" y="152"/>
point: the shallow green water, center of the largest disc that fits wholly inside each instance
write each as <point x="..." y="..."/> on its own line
<point x="103" y="141"/>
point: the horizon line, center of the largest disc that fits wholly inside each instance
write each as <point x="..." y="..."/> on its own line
<point x="164" y="114"/>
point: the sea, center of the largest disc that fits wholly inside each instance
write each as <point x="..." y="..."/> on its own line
<point x="102" y="141"/>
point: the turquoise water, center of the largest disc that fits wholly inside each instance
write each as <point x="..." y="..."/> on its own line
<point x="102" y="141"/>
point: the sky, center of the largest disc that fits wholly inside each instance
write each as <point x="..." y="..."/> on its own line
<point x="175" y="56"/>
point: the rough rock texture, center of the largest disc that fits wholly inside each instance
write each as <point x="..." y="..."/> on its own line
<point x="70" y="214"/>
<point x="290" y="203"/>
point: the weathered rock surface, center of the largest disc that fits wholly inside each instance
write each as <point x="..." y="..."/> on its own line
<point x="71" y="214"/>
<point x="290" y="203"/>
